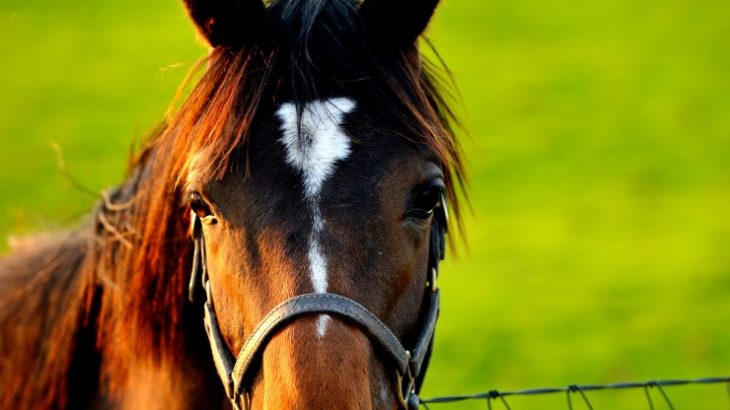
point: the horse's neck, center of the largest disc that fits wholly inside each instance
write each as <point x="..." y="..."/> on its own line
<point x="180" y="380"/>
<point x="52" y="355"/>
<point x="44" y="321"/>
<point x="176" y="386"/>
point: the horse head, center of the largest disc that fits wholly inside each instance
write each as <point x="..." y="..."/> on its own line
<point x="318" y="240"/>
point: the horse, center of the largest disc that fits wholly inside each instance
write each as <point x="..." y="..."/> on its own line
<point x="275" y="242"/>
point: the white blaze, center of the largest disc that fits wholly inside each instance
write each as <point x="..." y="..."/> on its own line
<point x="314" y="143"/>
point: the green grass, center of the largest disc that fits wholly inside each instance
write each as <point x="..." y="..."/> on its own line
<point x="599" y="155"/>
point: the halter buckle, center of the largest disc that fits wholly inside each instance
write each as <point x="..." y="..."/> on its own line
<point x="241" y="401"/>
<point x="406" y="392"/>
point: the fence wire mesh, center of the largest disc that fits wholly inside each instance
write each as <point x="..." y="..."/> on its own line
<point x="579" y="393"/>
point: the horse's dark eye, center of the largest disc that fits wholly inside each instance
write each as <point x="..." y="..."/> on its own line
<point x="425" y="202"/>
<point x="197" y="205"/>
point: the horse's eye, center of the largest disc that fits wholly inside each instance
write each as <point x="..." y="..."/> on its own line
<point x="197" y="205"/>
<point x="425" y="202"/>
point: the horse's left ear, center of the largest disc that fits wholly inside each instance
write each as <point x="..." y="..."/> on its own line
<point x="398" y="22"/>
<point x="227" y="22"/>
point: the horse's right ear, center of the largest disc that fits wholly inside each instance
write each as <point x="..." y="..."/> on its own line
<point x="227" y="22"/>
<point x="397" y="22"/>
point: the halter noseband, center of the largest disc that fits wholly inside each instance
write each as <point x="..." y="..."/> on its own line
<point x="410" y="365"/>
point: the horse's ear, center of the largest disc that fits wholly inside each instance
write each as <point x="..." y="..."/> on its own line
<point x="227" y="22"/>
<point x="398" y="22"/>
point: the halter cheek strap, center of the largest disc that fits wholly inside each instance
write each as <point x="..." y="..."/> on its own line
<point x="410" y="365"/>
<point x="222" y="356"/>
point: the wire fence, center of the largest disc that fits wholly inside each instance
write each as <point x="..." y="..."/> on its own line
<point x="579" y="393"/>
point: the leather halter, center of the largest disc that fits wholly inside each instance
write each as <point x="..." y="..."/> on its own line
<point x="410" y="365"/>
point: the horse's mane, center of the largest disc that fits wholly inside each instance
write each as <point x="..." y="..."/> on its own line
<point x="139" y="251"/>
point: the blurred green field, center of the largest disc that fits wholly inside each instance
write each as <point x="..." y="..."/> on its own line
<point x="599" y="156"/>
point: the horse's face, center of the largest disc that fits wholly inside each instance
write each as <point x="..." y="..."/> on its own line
<point x="342" y="209"/>
<point x="320" y="200"/>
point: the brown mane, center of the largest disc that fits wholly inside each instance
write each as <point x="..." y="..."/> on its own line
<point x="125" y="275"/>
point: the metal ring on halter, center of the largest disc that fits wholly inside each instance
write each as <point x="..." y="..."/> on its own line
<point x="406" y="392"/>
